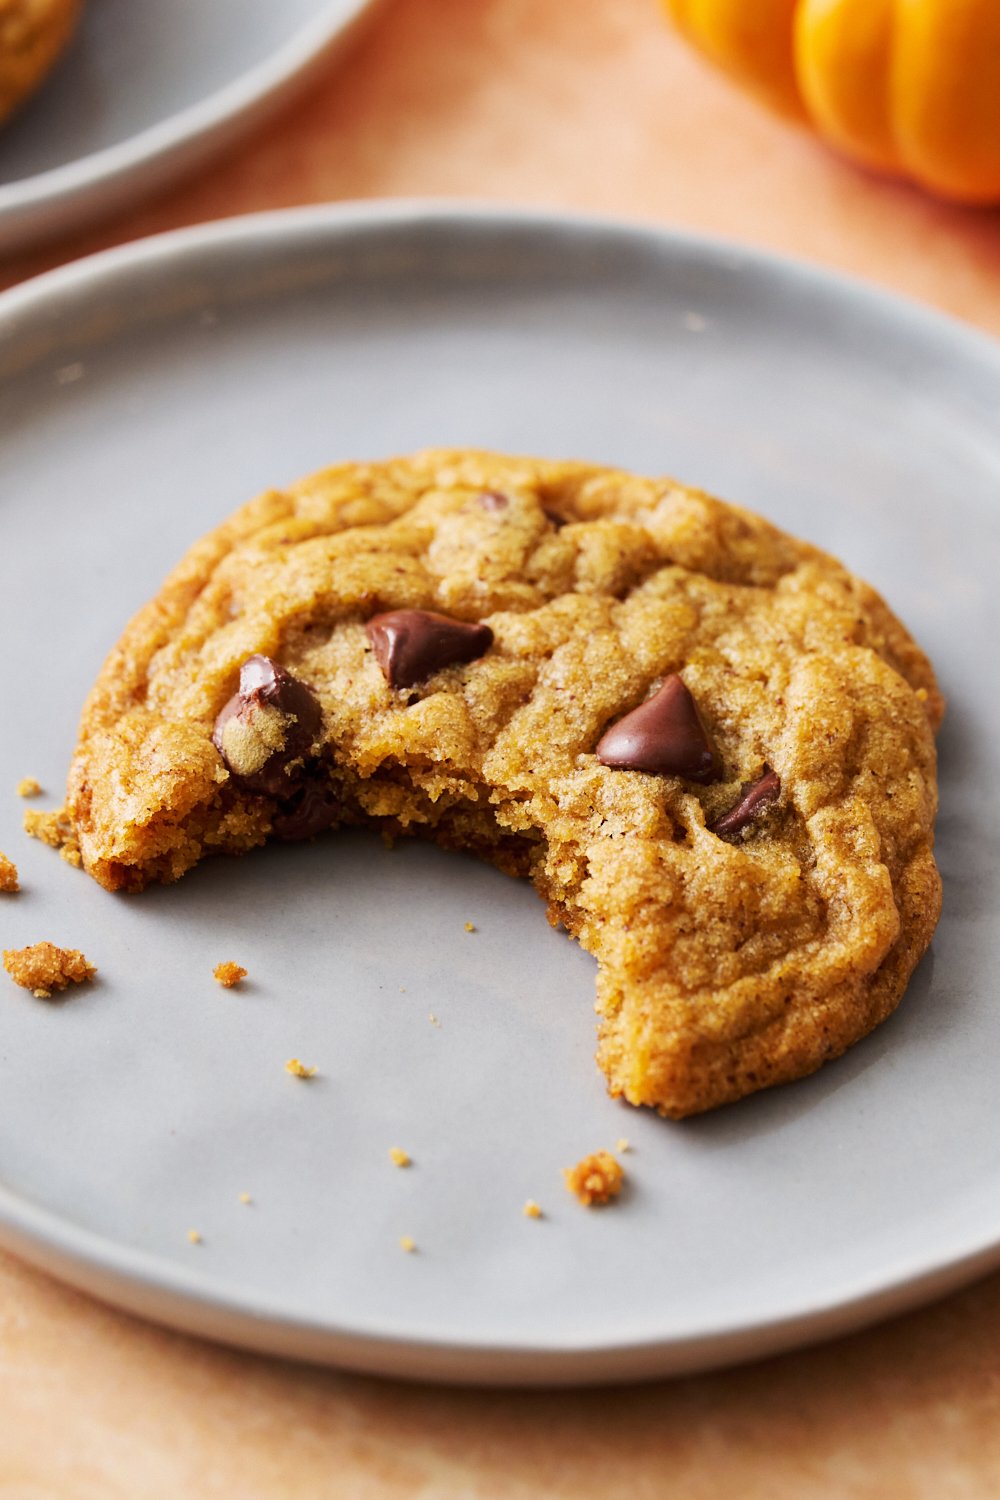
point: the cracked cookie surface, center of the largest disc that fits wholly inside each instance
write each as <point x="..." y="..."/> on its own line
<point x="728" y="959"/>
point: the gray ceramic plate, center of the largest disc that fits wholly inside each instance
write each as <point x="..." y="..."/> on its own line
<point x="147" y="89"/>
<point x="146" y="393"/>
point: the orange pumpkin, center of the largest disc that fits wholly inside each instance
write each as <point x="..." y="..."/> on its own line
<point x="910" y="87"/>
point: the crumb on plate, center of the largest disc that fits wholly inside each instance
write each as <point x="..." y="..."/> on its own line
<point x="531" y="1210"/>
<point x="399" y="1157"/>
<point x="194" y="1236"/>
<point x="28" y="787"/>
<point x="8" y="875"/>
<point x="54" y="829"/>
<point x="622" y="1145"/>
<point x="470" y="926"/>
<point x="595" y="1179"/>
<point x="299" y="1069"/>
<point x="245" y="1198"/>
<point x="43" y="968"/>
<point x="229" y="974"/>
<point x="405" y="1243"/>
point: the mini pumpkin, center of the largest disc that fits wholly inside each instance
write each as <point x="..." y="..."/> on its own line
<point x="909" y="87"/>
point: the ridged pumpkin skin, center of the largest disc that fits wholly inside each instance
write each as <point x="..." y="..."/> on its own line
<point x="910" y="87"/>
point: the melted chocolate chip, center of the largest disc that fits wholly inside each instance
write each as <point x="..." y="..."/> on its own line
<point x="664" y="735"/>
<point x="313" y="809"/>
<point x="493" y="500"/>
<point x="755" y="798"/>
<point x="271" y="722"/>
<point x="410" y="644"/>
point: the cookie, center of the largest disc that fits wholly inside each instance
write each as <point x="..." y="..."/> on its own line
<point x="707" y="744"/>
<point x="33" y="33"/>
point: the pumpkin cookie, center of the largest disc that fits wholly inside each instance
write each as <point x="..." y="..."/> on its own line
<point x="706" y="743"/>
<point x="32" y="35"/>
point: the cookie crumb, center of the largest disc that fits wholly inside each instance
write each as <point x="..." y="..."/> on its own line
<point x="54" y="829"/>
<point x="43" y="968"/>
<point x="405" y="1243"/>
<point x="470" y="927"/>
<point x="595" y="1179"/>
<point x="229" y="974"/>
<point x="245" y="1198"/>
<point x="299" y="1069"/>
<point x="433" y="1019"/>
<point x="399" y="1157"/>
<point x="531" y="1210"/>
<point x="28" y="787"/>
<point x="8" y="875"/>
<point x="194" y="1236"/>
<point x="622" y="1145"/>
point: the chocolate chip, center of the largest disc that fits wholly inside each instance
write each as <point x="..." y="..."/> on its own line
<point x="410" y="644"/>
<point x="665" y="735"/>
<point x="271" y="722"/>
<point x="755" y="798"/>
<point x="313" y="809"/>
<point x="493" y="500"/>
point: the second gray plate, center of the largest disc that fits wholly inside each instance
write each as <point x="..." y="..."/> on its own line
<point x="145" y="91"/>
<point x="144" y="395"/>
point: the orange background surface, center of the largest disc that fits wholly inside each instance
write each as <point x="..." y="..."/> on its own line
<point x="592" y="106"/>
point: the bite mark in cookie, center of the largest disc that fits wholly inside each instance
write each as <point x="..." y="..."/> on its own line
<point x="311" y="809"/>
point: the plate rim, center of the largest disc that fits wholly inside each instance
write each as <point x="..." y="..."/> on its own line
<point x="36" y="208"/>
<point x="134" y="1281"/>
<point x="155" y="1287"/>
<point x="316" y="220"/>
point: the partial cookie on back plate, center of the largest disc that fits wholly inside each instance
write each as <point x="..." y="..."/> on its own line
<point x="706" y="743"/>
<point x="33" y="34"/>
